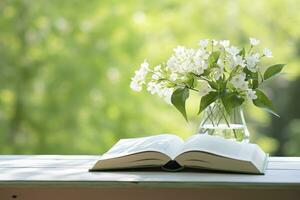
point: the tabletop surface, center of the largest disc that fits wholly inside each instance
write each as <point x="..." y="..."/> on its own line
<point x="72" y="170"/>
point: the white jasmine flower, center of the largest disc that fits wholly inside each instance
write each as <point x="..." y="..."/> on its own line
<point x="152" y="87"/>
<point x="230" y="62"/>
<point x="167" y="94"/>
<point x="218" y="72"/>
<point x="204" y="88"/>
<point x="267" y="52"/>
<point x="187" y="60"/>
<point x="199" y="65"/>
<point x="139" y="78"/>
<point x="244" y="85"/>
<point x="135" y="86"/>
<point x="225" y="43"/>
<point x="155" y="76"/>
<point x="238" y="81"/>
<point x="201" y="53"/>
<point x="180" y="61"/>
<point x="254" y="41"/>
<point x="252" y="60"/>
<point x="173" y="77"/>
<point x="232" y="50"/>
<point x="161" y="90"/>
<point x="251" y="94"/>
<point x="157" y="68"/>
<point x="220" y="62"/>
<point x="179" y="50"/>
<point x="203" y="43"/>
<point x="233" y="61"/>
<point x="141" y="73"/>
<point x="215" y="42"/>
<point x="238" y="60"/>
<point x="145" y="65"/>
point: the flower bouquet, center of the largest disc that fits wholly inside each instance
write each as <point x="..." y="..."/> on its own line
<point x="224" y="76"/>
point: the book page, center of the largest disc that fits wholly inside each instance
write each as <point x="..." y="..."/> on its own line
<point x="219" y="146"/>
<point x="164" y="143"/>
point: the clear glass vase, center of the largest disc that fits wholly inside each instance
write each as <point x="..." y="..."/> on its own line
<point x="216" y="121"/>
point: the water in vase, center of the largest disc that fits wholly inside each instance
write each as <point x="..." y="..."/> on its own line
<point x="236" y="132"/>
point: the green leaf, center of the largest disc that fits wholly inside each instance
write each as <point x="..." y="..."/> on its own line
<point x="231" y="100"/>
<point x="273" y="70"/>
<point x="250" y="74"/>
<point x="207" y="100"/>
<point x="190" y="82"/>
<point x="242" y="52"/>
<point x="213" y="58"/>
<point x="213" y="84"/>
<point x="262" y="101"/>
<point x="253" y="76"/>
<point x="221" y="84"/>
<point x="178" y="99"/>
<point x="206" y="72"/>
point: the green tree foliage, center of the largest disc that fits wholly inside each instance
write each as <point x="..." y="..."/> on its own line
<point x="65" y="69"/>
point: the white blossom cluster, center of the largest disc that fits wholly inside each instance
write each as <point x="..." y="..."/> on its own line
<point x="154" y="85"/>
<point x="184" y="62"/>
<point x="140" y="77"/>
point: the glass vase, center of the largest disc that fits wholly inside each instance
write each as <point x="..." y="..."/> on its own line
<point x="216" y="121"/>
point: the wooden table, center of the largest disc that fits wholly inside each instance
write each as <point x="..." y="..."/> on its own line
<point x="67" y="177"/>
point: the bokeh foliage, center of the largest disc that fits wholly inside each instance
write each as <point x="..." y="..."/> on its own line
<point x="65" y="69"/>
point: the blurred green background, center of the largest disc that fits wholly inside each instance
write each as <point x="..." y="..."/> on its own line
<point x="65" y="69"/>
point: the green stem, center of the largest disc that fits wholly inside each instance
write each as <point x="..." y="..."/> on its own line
<point x="235" y="135"/>
<point x="250" y="49"/>
<point x="211" y="113"/>
<point x="193" y="89"/>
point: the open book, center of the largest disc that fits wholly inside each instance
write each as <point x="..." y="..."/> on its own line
<point x="173" y="154"/>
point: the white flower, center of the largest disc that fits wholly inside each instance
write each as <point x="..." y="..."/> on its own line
<point x="233" y="61"/>
<point x="251" y="94"/>
<point x="167" y="94"/>
<point x="238" y="60"/>
<point x="215" y="42"/>
<point x="179" y="50"/>
<point x="180" y="61"/>
<point x="252" y="60"/>
<point x="145" y="65"/>
<point x="238" y="81"/>
<point x="139" y="78"/>
<point x="201" y="53"/>
<point x="218" y="72"/>
<point x="244" y="85"/>
<point x="134" y="85"/>
<point x="232" y="50"/>
<point x="161" y="90"/>
<point x="199" y="65"/>
<point x="225" y="43"/>
<point x="254" y="41"/>
<point x="204" y="88"/>
<point x="173" y="77"/>
<point x="155" y="76"/>
<point x="203" y="43"/>
<point x="141" y="73"/>
<point x="220" y="62"/>
<point x="157" y="68"/>
<point x="267" y="52"/>
<point x="186" y="60"/>
<point x="152" y="87"/>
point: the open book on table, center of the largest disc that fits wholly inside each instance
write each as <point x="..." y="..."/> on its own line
<point x="173" y="154"/>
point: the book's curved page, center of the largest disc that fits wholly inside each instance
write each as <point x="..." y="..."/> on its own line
<point x="220" y="146"/>
<point x="211" y="152"/>
<point x="165" y="143"/>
